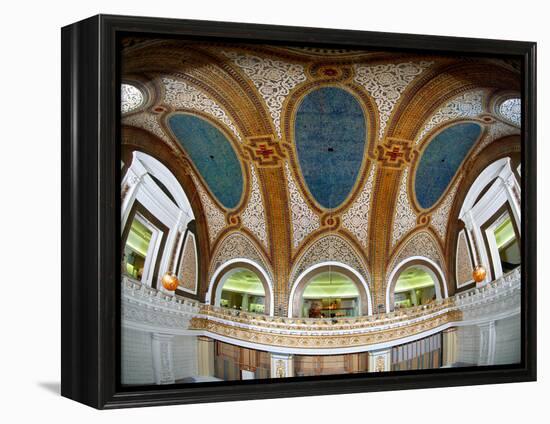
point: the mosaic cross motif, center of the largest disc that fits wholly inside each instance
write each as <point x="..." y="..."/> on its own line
<point x="394" y="153"/>
<point x="264" y="150"/>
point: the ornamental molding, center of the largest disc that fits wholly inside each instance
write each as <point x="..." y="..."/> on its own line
<point x="304" y="220"/>
<point x="151" y="309"/>
<point x="188" y="272"/>
<point x="236" y="246"/>
<point x="330" y="248"/>
<point x="395" y="153"/>
<point x="510" y="110"/>
<point x="215" y="218"/>
<point x="179" y="94"/>
<point x="497" y="300"/>
<point x="131" y="98"/>
<point x="466" y="105"/>
<point x="330" y="340"/>
<point x="356" y="218"/>
<point x="496" y="130"/>
<point x="264" y="150"/>
<point x="440" y="217"/>
<point x="386" y="83"/>
<point x="274" y="80"/>
<point x="464" y="265"/>
<point x="422" y="244"/>
<point x="253" y="216"/>
<point x="149" y="122"/>
<point x="405" y="218"/>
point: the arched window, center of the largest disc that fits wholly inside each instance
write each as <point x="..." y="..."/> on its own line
<point x="243" y="290"/>
<point x="415" y="286"/>
<point x="510" y="110"/>
<point x="156" y="213"/>
<point x="243" y="285"/>
<point x="491" y="213"/>
<point x="330" y="295"/>
<point x="416" y="281"/>
<point x="131" y="98"/>
<point x="329" y="290"/>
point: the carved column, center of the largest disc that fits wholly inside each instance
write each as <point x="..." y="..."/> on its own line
<point x="130" y="185"/>
<point x="282" y="365"/>
<point x="205" y="356"/>
<point x="513" y="192"/>
<point x="163" y="358"/>
<point x="487" y="343"/>
<point x="450" y="347"/>
<point x="380" y="360"/>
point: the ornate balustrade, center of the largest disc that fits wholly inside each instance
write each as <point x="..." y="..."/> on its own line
<point x="143" y="304"/>
<point x="149" y="309"/>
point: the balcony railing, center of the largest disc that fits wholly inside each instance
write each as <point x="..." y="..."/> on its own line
<point x="328" y="332"/>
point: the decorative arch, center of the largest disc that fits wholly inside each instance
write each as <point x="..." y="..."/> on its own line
<point x="227" y="269"/>
<point x="500" y="148"/>
<point x="135" y="139"/>
<point x="426" y="264"/>
<point x="487" y="176"/>
<point x="237" y="245"/>
<point x="422" y="243"/>
<point x="305" y="277"/>
<point x="330" y="248"/>
<point x="158" y="170"/>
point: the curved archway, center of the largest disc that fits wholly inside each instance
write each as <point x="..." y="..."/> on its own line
<point x="487" y="176"/>
<point x="163" y="175"/>
<point x="364" y="303"/>
<point x="423" y="266"/>
<point x="232" y="268"/>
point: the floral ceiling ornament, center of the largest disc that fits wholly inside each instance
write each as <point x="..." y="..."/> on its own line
<point x="405" y="218"/>
<point x="386" y="82"/>
<point x="188" y="269"/>
<point x="234" y="246"/>
<point x="304" y="220"/>
<point x="215" y="218"/>
<point x="253" y="216"/>
<point x="330" y="248"/>
<point x="148" y="122"/>
<point x="464" y="265"/>
<point x="467" y="105"/>
<point x="356" y="218"/>
<point x="421" y="243"/>
<point x="274" y="80"/>
<point x="179" y="94"/>
<point x="510" y="110"/>
<point x="496" y="131"/>
<point x="131" y="98"/>
<point x="440" y="217"/>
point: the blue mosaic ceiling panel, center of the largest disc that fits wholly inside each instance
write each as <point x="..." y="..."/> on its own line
<point x="440" y="161"/>
<point x="213" y="156"/>
<point x="330" y="137"/>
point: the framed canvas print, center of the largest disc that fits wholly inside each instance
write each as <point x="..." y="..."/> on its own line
<point x="256" y="211"/>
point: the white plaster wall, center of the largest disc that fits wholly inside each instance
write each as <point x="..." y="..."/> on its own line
<point x="137" y="357"/>
<point x="184" y="352"/>
<point x="508" y="340"/>
<point x="468" y="344"/>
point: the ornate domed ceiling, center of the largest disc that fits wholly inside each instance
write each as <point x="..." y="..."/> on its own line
<point x="298" y="154"/>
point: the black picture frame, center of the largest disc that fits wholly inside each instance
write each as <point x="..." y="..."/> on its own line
<point x="91" y="221"/>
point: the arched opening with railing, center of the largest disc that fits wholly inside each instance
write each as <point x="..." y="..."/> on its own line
<point x="330" y="290"/>
<point x="415" y="281"/>
<point x="242" y="285"/>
